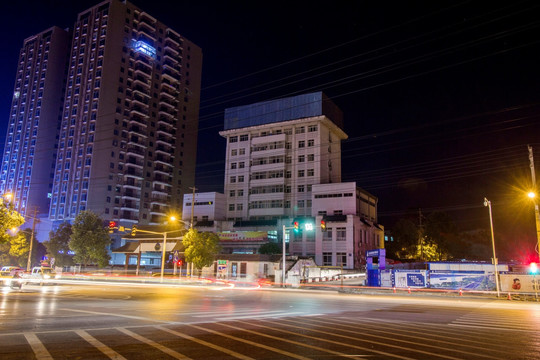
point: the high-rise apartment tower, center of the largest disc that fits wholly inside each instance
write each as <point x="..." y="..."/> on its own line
<point x="36" y="109"/>
<point x="128" y="132"/>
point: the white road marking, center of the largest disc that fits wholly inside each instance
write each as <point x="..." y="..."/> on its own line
<point x="37" y="346"/>
<point x="158" y="346"/>
<point x="279" y="351"/>
<point x="99" y="345"/>
<point x="205" y="343"/>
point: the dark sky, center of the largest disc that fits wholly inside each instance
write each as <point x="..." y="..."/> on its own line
<point x="440" y="98"/>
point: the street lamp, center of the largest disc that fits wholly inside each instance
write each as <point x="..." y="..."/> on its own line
<point x="488" y="204"/>
<point x="164" y="247"/>
<point x="532" y="195"/>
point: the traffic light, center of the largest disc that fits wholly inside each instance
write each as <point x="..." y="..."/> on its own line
<point x="323" y="226"/>
<point x="113" y="225"/>
<point x="296" y="226"/>
<point x="180" y="262"/>
<point x="133" y="230"/>
<point x="533" y="268"/>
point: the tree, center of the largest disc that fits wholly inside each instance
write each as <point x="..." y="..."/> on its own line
<point x="405" y="244"/>
<point x="89" y="240"/>
<point x="13" y="245"/>
<point x="270" y="248"/>
<point x="58" y="245"/>
<point x="200" y="248"/>
<point x="440" y="231"/>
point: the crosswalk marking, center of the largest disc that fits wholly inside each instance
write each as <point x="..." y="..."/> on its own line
<point x="99" y="345"/>
<point x="205" y="343"/>
<point x="273" y="349"/>
<point x="158" y="346"/>
<point x="37" y="346"/>
<point x="260" y="316"/>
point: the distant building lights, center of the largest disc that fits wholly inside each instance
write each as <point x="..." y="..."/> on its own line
<point x="145" y="48"/>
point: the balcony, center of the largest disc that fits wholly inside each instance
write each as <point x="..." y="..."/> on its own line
<point x="138" y="131"/>
<point x="131" y="195"/>
<point x="139" y="110"/>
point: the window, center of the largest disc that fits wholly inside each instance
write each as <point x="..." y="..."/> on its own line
<point x="300" y="204"/>
<point x="232" y="179"/>
<point x="233" y="139"/>
<point x="241" y="178"/>
<point x="312" y="128"/>
<point x="300" y="130"/>
<point x="231" y="193"/>
<point x="233" y="165"/>
<point x="311" y="142"/>
<point x="327" y="259"/>
<point x="301" y="144"/>
<point x="301" y="173"/>
<point x="310" y="172"/>
<point x="301" y="188"/>
<point x="231" y="207"/>
<point x="341" y="259"/>
<point x="244" y="137"/>
<point x="327" y="235"/>
<point x="301" y="158"/>
<point x="240" y="192"/>
<point x="242" y="151"/>
<point x="311" y="157"/>
<point x="234" y="152"/>
<point x="341" y="234"/>
<point x="239" y="207"/>
<point x="241" y="165"/>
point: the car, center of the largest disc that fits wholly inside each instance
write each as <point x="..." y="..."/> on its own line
<point x="42" y="275"/>
<point x="8" y="272"/>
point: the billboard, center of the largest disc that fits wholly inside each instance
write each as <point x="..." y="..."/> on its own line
<point x="520" y="283"/>
<point x="466" y="280"/>
<point x="410" y="278"/>
<point x="243" y="236"/>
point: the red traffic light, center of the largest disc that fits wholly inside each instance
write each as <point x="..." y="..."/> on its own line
<point x="323" y="225"/>
<point x="113" y="225"/>
<point x="180" y="262"/>
<point x="296" y="225"/>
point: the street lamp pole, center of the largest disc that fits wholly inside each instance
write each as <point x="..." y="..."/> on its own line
<point x="495" y="262"/>
<point x="29" y="262"/>
<point x="285" y="228"/>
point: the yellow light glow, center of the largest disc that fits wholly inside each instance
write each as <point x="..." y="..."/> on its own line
<point x="531" y="194"/>
<point x="172" y="218"/>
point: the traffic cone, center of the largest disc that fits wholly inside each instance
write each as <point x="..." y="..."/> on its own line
<point x="460" y="292"/>
<point x="409" y="290"/>
<point x="509" y="296"/>
<point x="394" y="289"/>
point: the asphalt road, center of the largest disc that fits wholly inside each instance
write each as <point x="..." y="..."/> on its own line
<point x="178" y="322"/>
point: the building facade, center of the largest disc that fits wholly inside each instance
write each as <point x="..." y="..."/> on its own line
<point x="30" y="148"/>
<point x="127" y="140"/>
<point x="276" y="151"/>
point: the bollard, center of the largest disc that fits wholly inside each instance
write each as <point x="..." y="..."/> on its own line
<point x="509" y="296"/>
<point x="409" y="289"/>
<point x="460" y="292"/>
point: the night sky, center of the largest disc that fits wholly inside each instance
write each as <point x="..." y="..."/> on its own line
<point x="440" y="98"/>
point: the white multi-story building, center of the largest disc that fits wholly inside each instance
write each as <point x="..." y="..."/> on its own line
<point x="283" y="166"/>
<point x="276" y="151"/>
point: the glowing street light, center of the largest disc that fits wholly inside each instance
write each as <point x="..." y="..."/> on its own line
<point x="532" y="196"/>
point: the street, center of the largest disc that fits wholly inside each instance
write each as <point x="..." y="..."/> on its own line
<point x="116" y="321"/>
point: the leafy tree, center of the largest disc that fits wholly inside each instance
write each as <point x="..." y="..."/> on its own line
<point x="9" y="219"/>
<point x="270" y="248"/>
<point x="89" y="240"/>
<point x="200" y="248"/>
<point x="440" y="231"/>
<point x="58" y="245"/>
<point x="405" y="244"/>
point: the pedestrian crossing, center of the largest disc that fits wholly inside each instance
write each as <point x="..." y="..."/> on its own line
<point x="245" y="334"/>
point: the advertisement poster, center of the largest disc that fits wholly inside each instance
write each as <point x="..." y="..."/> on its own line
<point x="243" y="236"/>
<point x="520" y="283"/>
<point x="410" y="278"/>
<point x="466" y="280"/>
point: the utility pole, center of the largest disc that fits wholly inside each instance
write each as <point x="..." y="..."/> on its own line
<point x="536" y="211"/>
<point x="192" y="206"/>
<point x="421" y="234"/>
<point x="29" y="263"/>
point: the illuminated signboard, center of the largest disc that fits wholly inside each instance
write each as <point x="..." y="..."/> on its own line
<point x="144" y="48"/>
